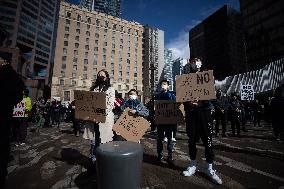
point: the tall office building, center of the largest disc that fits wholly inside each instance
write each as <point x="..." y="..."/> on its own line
<point x="31" y="26"/>
<point x="88" y="41"/>
<point x="110" y="7"/>
<point x="264" y="31"/>
<point x="168" y="68"/>
<point x="153" y="59"/>
<point x="177" y="69"/>
<point x="218" y="41"/>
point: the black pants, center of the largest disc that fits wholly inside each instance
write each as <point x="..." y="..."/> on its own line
<point x="220" y="118"/>
<point x="21" y="129"/>
<point x="199" y="125"/>
<point x="76" y="126"/>
<point x="235" y="124"/>
<point x="97" y="141"/>
<point x="162" y="131"/>
<point x="256" y="118"/>
<point x="4" y="149"/>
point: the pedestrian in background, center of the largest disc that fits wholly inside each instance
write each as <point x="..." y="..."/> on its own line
<point x="22" y="122"/>
<point x="235" y="114"/>
<point x="221" y="110"/>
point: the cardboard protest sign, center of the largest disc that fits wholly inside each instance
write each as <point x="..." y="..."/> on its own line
<point x="195" y="86"/>
<point x="90" y="105"/>
<point x="131" y="127"/>
<point x="247" y="92"/>
<point x="168" y="112"/>
<point x="19" y="109"/>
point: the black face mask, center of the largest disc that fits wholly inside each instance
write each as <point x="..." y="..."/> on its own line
<point x="100" y="79"/>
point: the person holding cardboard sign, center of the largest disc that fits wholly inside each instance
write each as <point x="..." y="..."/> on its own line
<point x="199" y="125"/>
<point x="165" y="129"/>
<point x="101" y="132"/>
<point x="136" y="106"/>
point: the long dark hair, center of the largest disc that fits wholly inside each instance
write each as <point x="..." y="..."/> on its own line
<point x="105" y="85"/>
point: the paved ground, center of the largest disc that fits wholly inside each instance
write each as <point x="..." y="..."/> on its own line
<point x="55" y="158"/>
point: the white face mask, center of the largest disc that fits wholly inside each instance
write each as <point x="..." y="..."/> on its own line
<point x="165" y="87"/>
<point x="198" y="64"/>
<point x="133" y="97"/>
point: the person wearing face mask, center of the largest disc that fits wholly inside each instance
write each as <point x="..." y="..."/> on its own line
<point x="136" y="106"/>
<point x="101" y="132"/>
<point x="165" y="130"/>
<point x="199" y="125"/>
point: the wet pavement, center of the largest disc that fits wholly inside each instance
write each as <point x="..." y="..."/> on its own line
<point x="55" y="158"/>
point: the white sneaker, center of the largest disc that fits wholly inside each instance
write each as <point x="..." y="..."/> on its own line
<point x="191" y="169"/>
<point x="174" y="140"/>
<point x="165" y="139"/>
<point x="212" y="174"/>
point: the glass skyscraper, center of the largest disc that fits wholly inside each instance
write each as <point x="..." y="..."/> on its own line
<point x="110" y="7"/>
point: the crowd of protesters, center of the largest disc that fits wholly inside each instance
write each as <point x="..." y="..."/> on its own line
<point x="202" y="118"/>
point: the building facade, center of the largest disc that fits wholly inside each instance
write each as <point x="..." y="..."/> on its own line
<point x="177" y="69"/>
<point x="110" y="7"/>
<point x="31" y="26"/>
<point x="153" y="60"/>
<point x="219" y="42"/>
<point x="88" y="41"/>
<point x="264" y="31"/>
<point x="168" y="68"/>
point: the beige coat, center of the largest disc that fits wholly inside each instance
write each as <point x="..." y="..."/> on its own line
<point x="106" y="133"/>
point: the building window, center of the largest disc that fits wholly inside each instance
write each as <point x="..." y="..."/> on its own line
<point x="127" y="74"/>
<point x="67" y="29"/>
<point x="85" y="68"/>
<point x="77" y="31"/>
<point x="87" y="40"/>
<point x="105" y="43"/>
<point x="87" y="33"/>
<point x="104" y="50"/>
<point x="73" y="82"/>
<point x="66" y="36"/>
<point x="119" y="87"/>
<point x="61" y="81"/>
<point x="74" y="75"/>
<point x="97" y="35"/>
<point x="66" y="95"/>
<point x="65" y="43"/>
<point x="104" y="64"/>
<point x="75" y="52"/>
<point x="120" y="73"/>
<point x="85" y="61"/>
<point x="95" y="62"/>
<point x="64" y="51"/>
<point x="67" y="22"/>
<point x="135" y="74"/>
<point x="104" y="57"/>
<point x="68" y="14"/>
<point x="78" y="24"/>
<point x="74" y="67"/>
<point x="64" y="58"/>
<point x="89" y="20"/>
<point x="86" y="47"/>
<point x="63" y="66"/>
<point x="78" y="18"/>
<point x="77" y="38"/>
<point x="114" y="27"/>
<point x="96" y="42"/>
<point x="96" y="49"/>
<point x="105" y="30"/>
<point x="112" y="65"/>
<point x="76" y="45"/>
<point x="86" y="54"/>
<point x="85" y="76"/>
<point x="97" y="22"/>
<point x="88" y="26"/>
<point x="75" y="60"/>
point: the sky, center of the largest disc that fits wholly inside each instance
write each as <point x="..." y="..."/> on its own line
<point x="174" y="17"/>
